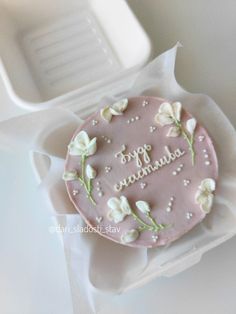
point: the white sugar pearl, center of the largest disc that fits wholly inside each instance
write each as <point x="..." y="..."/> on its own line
<point x="206" y="156"/>
<point x="174" y="173"/>
<point x="152" y="129"/>
<point x="186" y="182"/>
<point x="172" y="198"/>
<point x="143" y="185"/>
<point x="132" y="119"/>
<point x="137" y="117"/>
<point x="100" y="194"/>
<point x="94" y="122"/>
<point x="128" y="121"/>
<point x="98" y="189"/>
<point x="109" y="141"/>
<point x="189" y="215"/>
<point x="207" y="163"/>
<point x="107" y="169"/>
<point x="204" y="150"/>
<point x="168" y="209"/>
<point x="178" y="169"/>
<point x="155" y="238"/>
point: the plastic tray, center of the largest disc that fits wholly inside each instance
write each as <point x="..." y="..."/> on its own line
<point x="61" y="52"/>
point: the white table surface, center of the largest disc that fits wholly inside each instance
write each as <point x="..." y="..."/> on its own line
<point x="29" y="254"/>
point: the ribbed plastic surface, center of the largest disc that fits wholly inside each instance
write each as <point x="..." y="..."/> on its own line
<point x="68" y="53"/>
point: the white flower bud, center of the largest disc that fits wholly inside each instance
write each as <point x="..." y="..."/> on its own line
<point x="70" y="175"/>
<point x="90" y="172"/>
<point x="143" y="207"/>
<point x="191" y="125"/>
<point x="129" y="236"/>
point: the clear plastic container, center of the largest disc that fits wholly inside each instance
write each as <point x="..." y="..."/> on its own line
<point x="63" y="52"/>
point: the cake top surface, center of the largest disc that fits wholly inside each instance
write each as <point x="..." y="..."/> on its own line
<point x="142" y="171"/>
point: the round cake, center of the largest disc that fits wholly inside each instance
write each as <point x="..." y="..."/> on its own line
<point x="142" y="171"/>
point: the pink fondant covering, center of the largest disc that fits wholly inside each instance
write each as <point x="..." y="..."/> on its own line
<point x="161" y="185"/>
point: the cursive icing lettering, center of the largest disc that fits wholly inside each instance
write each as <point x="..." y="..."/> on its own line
<point x="139" y="154"/>
<point x="149" y="169"/>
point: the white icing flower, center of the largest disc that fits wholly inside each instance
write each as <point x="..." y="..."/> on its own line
<point x="115" y="110"/>
<point x="119" y="106"/>
<point x="106" y="114"/>
<point x="90" y="172"/>
<point x="70" y="175"/>
<point x="119" y="209"/>
<point x="191" y="125"/>
<point x="143" y="207"/>
<point x="129" y="236"/>
<point x="168" y="113"/>
<point x="174" y="131"/>
<point x="82" y="145"/>
<point x="204" y="196"/>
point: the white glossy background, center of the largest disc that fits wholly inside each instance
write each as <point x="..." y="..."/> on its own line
<point x="32" y="267"/>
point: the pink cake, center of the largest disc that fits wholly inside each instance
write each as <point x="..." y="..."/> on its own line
<point x="141" y="172"/>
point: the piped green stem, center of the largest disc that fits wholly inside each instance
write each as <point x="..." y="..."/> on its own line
<point x="87" y="184"/>
<point x="154" y="226"/>
<point x="189" y="139"/>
